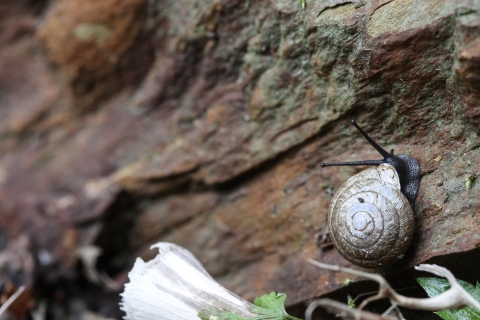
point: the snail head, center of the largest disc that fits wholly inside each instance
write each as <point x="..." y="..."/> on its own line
<point x="406" y="166"/>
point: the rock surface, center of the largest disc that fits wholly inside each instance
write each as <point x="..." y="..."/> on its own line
<point x="204" y="123"/>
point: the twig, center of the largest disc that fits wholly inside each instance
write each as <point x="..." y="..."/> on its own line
<point x="344" y="310"/>
<point x="10" y="300"/>
<point x="455" y="297"/>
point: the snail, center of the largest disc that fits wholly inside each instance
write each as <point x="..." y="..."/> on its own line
<point x="371" y="219"/>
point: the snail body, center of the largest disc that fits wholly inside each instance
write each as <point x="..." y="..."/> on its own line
<point x="371" y="218"/>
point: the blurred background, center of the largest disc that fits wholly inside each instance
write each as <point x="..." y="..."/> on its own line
<point x="203" y="123"/>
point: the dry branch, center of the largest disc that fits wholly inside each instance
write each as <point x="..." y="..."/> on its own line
<point x="455" y="297"/>
<point x="11" y="300"/>
<point x="344" y="310"/>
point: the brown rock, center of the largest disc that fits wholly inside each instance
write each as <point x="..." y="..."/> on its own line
<point x="216" y="145"/>
<point x="89" y="40"/>
<point x="467" y="65"/>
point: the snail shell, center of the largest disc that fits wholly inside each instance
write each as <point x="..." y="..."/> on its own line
<point x="371" y="222"/>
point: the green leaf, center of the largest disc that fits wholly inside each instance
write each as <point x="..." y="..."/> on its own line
<point x="351" y="302"/>
<point x="267" y="307"/>
<point x="435" y="286"/>
<point x="271" y="306"/>
<point x="304" y="3"/>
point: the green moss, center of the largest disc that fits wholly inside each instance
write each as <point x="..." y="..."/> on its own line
<point x="97" y="32"/>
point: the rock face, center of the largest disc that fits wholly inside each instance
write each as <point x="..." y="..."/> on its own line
<point x="124" y="123"/>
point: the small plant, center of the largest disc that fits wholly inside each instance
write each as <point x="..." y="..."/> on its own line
<point x="468" y="182"/>
<point x="270" y="306"/>
<point x="436" y="286"/>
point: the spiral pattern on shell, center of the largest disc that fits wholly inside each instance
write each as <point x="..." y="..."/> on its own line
<point x="371" y="222"/>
